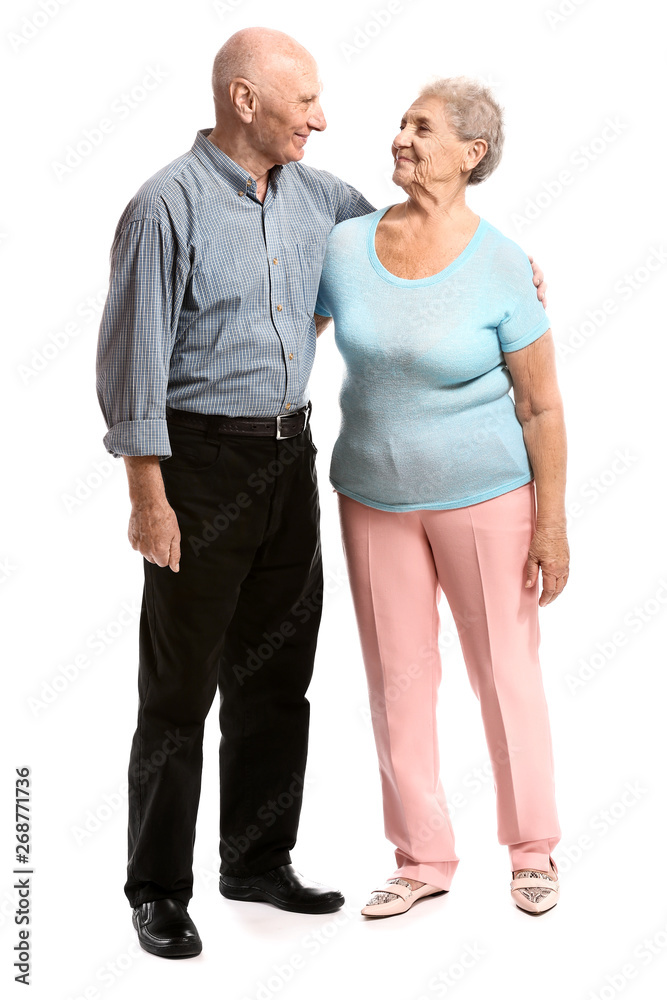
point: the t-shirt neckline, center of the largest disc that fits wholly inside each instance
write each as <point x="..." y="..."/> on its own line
<point x="394" y="279"/>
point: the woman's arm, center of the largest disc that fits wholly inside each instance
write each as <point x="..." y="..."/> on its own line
<point x="539" y="409"/>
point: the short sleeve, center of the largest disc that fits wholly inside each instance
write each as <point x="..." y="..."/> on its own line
<point x="320" y="308"/>
<point x="525" y="320"/>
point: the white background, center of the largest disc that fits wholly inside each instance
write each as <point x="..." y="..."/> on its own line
<point x="67" y="569"/>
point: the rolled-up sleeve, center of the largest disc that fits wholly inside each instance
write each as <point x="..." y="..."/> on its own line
<point x="137" y="336"/>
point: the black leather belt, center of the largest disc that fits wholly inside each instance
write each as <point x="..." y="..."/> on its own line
<point x="286" y="425"/>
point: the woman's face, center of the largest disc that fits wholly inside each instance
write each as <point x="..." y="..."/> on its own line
<point x="426" y="151"/>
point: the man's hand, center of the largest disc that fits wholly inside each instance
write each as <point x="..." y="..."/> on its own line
<point x="538" y="280"/>
<point x="153" y="528"/>
<point x="154" y="532"/>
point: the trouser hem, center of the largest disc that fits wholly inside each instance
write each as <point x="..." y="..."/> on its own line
<point x="150" y="896"/>
<point x="439" y="874"/>
<point x="258" y="868"/>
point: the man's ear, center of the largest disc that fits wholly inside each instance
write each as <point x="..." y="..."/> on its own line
<point x="243" y="98"/>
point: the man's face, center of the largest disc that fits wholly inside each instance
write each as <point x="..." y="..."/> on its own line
<point x="288" y="110"/>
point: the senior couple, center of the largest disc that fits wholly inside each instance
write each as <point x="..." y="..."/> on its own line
<point x="223" y="266"/>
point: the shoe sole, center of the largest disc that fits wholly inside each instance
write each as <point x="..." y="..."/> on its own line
<point x="536" y="913"/>
<point x="398" y="913"/>
<point x="255" y="896"/>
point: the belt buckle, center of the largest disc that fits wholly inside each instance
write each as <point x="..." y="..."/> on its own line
<point x="279" y="436"/>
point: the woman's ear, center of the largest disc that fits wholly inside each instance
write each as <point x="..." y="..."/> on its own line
<point x="474" y="154"/>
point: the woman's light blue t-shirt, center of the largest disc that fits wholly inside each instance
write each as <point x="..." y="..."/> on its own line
<point x="426" y="416"/>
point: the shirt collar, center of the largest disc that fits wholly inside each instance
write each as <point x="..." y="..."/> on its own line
<point x="219" y="163"/>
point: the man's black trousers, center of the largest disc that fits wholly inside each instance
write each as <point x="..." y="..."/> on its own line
<point x="242" y="615"/>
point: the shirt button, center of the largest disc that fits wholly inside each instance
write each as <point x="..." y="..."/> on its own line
<point x="291" y="357"/>
<point x="249" y="182"/>
<point x="287" y="406"/>
<point x="275" y="260"/>
<point x="241" y="193"/>
<point x="279" y="308"/>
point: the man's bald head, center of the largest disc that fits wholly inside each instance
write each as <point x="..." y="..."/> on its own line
<point x="257" y="55"/>
<point x="266" y="89"/>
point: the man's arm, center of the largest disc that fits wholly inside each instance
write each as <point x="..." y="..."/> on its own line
<point x="134" y="350"/>
<point x="136" y="338"/>
<point x="350" y="202"/>
<point x="321" y="323"/>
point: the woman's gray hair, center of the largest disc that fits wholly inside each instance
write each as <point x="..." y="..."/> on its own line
<point x="473" y="113"/>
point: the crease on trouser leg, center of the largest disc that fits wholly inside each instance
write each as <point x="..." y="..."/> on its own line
<point x="481" y="570"/>
<point x="416" y="817"/>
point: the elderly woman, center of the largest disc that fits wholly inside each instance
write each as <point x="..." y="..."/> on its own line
<point x="445" y="482"/>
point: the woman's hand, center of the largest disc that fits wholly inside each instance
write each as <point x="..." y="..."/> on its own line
<point x="550" y="552"/>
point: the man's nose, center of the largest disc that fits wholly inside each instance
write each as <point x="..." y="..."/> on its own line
<point x="316" y="119"/>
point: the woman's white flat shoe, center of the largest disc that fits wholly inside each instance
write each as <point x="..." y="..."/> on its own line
<point x="404" y="895"/>
<point x="534" y="891"/>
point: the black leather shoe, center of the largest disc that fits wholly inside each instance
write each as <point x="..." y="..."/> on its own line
<point x="165" y="929"/>
<point x="283" y="887"/>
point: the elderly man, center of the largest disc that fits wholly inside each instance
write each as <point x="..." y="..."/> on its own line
<point x="206" y="346"/>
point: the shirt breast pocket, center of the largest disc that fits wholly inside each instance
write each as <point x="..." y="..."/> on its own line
<point x="305" y="268"/>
